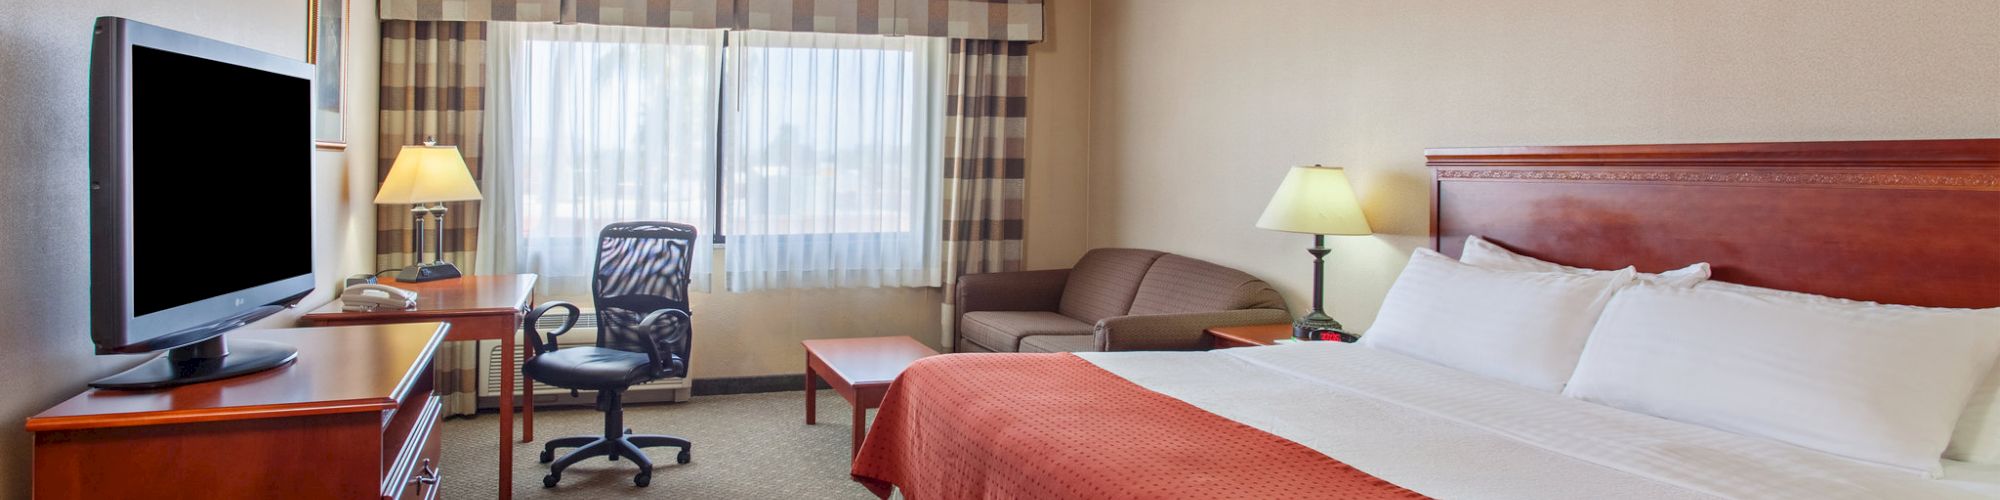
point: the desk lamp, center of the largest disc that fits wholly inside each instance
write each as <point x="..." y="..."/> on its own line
<point x="423" y="175"/>
<point x="1316" y="200"/>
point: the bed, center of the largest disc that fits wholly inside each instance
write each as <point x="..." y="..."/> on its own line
<point x="1899" y="222"/>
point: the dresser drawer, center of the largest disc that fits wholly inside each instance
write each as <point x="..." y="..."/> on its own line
<point x="415" y="472"/>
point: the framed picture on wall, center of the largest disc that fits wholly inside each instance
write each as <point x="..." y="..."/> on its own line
<point x="326" y="47"/>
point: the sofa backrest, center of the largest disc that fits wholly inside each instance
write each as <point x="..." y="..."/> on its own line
<point x="1178" y="284"/>
<point x="1104" y="282"/>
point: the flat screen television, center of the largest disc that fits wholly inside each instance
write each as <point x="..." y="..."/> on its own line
<point x="200" y="200"/>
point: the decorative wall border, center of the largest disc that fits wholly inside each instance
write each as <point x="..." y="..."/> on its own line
<point x="1973" y="179"/>
<point x="1954" y="164"/>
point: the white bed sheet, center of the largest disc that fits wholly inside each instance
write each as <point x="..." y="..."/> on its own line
<point x="1450" y="434"/>
<point x="1983" y="479"/>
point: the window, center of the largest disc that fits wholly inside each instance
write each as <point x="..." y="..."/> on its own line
<point x="832" y="160"/>
<point x="822" y="166"/>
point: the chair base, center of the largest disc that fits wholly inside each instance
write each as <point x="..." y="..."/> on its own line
<point x="616" y="442"/>
<point x="627" y="446"/>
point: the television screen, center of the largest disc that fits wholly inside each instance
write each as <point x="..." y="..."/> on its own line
<point x="221" y="178"/>
<point x="201" y="187"/>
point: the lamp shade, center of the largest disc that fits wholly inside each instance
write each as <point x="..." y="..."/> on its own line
<point x="427" y="174"/>
<point x="1315" y="200"/>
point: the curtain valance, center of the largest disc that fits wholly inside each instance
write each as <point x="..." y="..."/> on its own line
<point x="1010" y="20"/>
<point x="473" y="10"/>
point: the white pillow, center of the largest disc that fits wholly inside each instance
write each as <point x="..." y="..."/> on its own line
<point x="1977" y="437"/>
<point x="1525" y="328"/>
<point x="1482" y="253"/>
<point x="1872" y="382"/>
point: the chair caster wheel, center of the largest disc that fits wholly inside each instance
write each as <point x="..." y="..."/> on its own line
<point x="643" y="479"/>
<point x="548" y="456"/>
<point x="684" y="457"/>
<point x="549" y="481"/>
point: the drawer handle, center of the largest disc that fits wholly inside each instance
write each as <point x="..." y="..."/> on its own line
<point x="427" y="476"/>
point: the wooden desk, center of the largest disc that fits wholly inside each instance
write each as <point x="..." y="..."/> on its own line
<point x="1225" y="337"/>
<point x="478" y="308"/>
<point x="354" y="417"/>
<point x="860" y="370"/>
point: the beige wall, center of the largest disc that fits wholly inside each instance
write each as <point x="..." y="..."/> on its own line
<point x="1199" y="106"/>
<point x="44" y="55"/>
<point x="1058" y="209"/>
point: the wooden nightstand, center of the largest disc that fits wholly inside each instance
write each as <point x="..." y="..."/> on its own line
<point x="1224" y="337"/>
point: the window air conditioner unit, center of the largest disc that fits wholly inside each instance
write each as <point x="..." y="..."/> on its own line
<point x="584" y="335"/>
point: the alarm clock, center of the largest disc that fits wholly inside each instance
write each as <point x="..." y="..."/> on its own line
<point x="1313" y="333"/>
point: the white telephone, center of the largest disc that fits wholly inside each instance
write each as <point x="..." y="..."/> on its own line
<point x="371" y="297"/>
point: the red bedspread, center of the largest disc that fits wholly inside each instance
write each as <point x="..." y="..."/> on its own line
<point x="1050" y="426"/>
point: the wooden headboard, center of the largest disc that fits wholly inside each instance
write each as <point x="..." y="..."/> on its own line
<point x="1905" y="222"/>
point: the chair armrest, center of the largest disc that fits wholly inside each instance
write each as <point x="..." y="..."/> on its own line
<point x="1175" y="332"/>
<point x="534" y="318"/>
<point x="1011" y="291"/>
<point x="653" y="353"/>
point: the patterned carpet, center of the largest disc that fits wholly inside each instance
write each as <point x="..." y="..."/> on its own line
<point x="749" y="446"/>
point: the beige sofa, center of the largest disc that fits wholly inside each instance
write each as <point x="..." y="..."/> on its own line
<point x="1115" y="299"/>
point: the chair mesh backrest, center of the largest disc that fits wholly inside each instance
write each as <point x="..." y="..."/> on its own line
<point x="644" y="267"/>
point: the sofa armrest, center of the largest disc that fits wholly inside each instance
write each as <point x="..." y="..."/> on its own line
<point x="1176" y="332"/>
<point x="1011" y="291"/>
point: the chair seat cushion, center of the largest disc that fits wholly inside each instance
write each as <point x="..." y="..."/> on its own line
<point x="1003" y="330"/>
<point x="1059" y="343"/>
<point x="591" y="368"/>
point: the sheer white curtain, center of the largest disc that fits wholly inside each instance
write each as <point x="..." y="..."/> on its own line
<point x="590" y="125"/>
<point x="832" y="160"/>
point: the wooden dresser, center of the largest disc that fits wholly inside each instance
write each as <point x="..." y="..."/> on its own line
<point x="488" y="307"/>
<point x="354" y="417"/>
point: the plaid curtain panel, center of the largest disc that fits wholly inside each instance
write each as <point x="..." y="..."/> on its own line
<point x="1011" y="20"/>
<point x="986" y="137"/>
<point x="433" y="81"/>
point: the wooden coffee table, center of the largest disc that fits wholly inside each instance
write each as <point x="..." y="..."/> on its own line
<point x="860" y="370"/>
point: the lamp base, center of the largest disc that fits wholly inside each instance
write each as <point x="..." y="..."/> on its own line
<point x="1319" y="326"/>
<point x="428" y="271"/>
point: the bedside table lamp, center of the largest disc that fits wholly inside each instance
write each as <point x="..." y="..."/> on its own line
<point x="424" y="175"/>
<point x="1315" y="200"/>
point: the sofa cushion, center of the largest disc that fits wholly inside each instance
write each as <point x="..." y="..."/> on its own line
<point x="1059" y="343"/>
<point x="1104" y="281"/>
<point x="1177" y="284"/>
<point x="1003" y="330"/>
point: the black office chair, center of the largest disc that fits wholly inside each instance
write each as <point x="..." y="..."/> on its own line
<point x="640" y="287"/>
